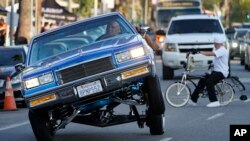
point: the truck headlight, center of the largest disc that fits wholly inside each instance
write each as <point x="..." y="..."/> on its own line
<point x="130" y="54"/>
<point x="40" y="80"/>
<point x="234" y="44"/>
<point x="170" y="47"/>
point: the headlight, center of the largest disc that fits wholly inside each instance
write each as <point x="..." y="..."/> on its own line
<point x="160" y="38"/>
<point x="130" y="54"/>
<point x="137" y="52"/>
<point x="47" y="78"/>
<point x="170" y="47"/>
<point x="41" y="80"/>
<point x="234" y="44"/>
<point x="32" y="83"/>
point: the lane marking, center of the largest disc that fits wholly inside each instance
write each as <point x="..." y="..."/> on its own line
<point x="166" y="139"/>
<point x="14" y="125"/>
<point x="215" y="116"/>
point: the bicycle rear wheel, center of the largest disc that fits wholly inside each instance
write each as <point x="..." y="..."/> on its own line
<point x="237" y="83"/>
<point x="177" y="94"/>
<point x="224" y="92"/>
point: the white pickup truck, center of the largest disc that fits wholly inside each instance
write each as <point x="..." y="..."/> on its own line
<point x="188" y="32"/>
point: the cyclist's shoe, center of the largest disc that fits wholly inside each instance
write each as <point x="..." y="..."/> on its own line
<point x="214" y="104"/>
<point x="190" y="102"/>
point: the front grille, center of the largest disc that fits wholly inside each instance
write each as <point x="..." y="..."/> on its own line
<point x="195" y="44"/>
<point x="185" y="50"/>
<point x="85" y="69"/>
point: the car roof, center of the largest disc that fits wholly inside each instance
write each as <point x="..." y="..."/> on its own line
<point x="188" y="17"/>
<point x="78" y="22"/>
<point x="242" y="29"/>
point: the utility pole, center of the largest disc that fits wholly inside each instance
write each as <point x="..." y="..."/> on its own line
<point x="69" y="5"/>
<point x="95" y="7"/>
<point x="133" y="10"/>
<point x="11" y="22"/>
<point x="226" y="7"/>
<point x="146" y="12"/>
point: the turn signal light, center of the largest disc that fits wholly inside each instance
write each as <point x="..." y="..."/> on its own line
<point x="42" y="100"/>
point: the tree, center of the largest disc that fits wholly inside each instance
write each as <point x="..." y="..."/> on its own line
<point x="240" y="9"/>
<point x="24" y="22"/>
<point x="85" y="7"/>
<point x="232" y="10"/>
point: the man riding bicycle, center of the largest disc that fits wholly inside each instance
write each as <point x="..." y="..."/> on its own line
<point x="220" y="71"/>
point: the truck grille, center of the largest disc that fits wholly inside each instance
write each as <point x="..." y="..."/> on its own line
<point x="85" y="69"/>
<point x="185" y="50"/>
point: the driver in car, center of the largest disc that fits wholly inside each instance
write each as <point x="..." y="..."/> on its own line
<point x="113" y="28"/>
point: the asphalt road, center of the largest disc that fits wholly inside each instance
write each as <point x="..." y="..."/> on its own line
<point x="182" y="124"/>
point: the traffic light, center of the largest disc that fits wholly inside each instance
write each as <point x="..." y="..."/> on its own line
<point x="248" y="16"/>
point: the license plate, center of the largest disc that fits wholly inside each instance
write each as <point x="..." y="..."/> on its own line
<point x="89" y="88"/>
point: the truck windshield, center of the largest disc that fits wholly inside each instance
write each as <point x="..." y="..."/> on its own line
<point x="195" y="26"/>
<point x="165" y="15"/>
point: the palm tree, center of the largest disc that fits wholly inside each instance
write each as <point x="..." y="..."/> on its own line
<point x="24" y="23"/>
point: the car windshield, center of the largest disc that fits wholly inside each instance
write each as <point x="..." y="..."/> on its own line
<point x="11" y="57"/>
<point x="164" y="15"/>
<point x="80" y="35"/>
<point x="240" y="34"/>
<point x="195" y="26"/>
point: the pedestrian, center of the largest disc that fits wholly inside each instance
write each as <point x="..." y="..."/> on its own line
<point x="147" y="38"/>
<point x="45" y="27"/>
<point x="219" y="72"/>
<point x="52" y="25"/>
<point x="3" y="31"/>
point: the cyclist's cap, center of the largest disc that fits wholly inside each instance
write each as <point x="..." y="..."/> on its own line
<point x="218" y="40"/>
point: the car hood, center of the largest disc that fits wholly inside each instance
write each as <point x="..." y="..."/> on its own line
<point x="193" y="38"/>
<point x="101" y="46"/>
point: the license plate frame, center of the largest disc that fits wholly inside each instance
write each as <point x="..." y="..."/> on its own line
<point x="89" y="88"/>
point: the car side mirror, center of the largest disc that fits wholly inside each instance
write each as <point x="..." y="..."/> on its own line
<point x="144" y="30"/>
<point x="19" y="67"/>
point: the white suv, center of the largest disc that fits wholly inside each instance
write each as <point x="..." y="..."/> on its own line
<point x="188" y="32"/>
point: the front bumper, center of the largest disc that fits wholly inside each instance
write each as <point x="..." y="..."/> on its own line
<point x="110" y="82"/>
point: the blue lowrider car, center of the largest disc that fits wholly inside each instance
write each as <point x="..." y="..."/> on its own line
<point x="71" y="75"/>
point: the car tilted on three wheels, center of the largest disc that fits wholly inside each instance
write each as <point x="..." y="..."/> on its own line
<point x="69" y="76"/>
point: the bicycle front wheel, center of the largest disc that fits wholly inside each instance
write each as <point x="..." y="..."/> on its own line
<point x="177" y="94"/>
<point x="225" y="93"/>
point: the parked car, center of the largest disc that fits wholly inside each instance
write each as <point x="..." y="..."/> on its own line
<point x="85" y="82"/>
<point x="186" y="33"/>
<point x="11" y="56"/>
<point x="247" y="55"/>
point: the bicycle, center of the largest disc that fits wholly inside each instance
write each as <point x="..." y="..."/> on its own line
<point x="178" y="93"/>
